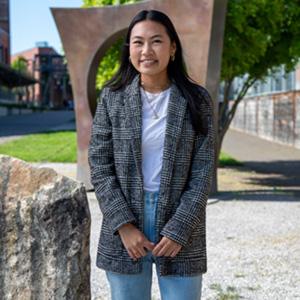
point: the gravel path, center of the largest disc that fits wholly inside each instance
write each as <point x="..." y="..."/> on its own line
<point x="253" y="251"/>
<point x="254" y="247"/>
<point x="253" y="241"/>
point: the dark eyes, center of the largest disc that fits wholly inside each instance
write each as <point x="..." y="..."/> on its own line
<point x="140" y="42"/>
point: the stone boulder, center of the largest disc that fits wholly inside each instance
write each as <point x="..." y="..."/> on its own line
<point x="44" y="234"/>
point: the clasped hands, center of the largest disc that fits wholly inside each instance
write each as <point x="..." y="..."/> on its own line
<point x="135" y="243"/>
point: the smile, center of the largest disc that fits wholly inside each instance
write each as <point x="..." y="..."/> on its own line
<point x="147" y="61"/>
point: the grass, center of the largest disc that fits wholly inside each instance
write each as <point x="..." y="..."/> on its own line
<point x="59" y="146"/>
<point x="227" y="160"/>
<point x="239" y="275"/>
<point x="229" y="294"/>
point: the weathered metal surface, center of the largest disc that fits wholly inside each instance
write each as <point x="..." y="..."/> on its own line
<point x="238" y="120"/>
<point x="297" y="120"/>
<point x="276" y="117"/>
<point x="283" y="119"/>
<point x="265" y="117"/>
<point x="250" y="116"/>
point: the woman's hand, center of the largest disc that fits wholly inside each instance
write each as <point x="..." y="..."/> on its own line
<point x="134" y="241"/>
<point x="166" y="247"/>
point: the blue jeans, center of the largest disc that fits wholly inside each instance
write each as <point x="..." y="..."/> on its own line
<point x="138" y="286"/>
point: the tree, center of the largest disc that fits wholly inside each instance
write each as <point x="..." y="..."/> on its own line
<point x="90" y="3"/>
<point x="260" y="36"/>
<point x="20" y="65"/>
<point x="110" y="62"/>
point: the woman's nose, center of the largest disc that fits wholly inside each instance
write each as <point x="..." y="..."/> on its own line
<point x="147" y="48"/>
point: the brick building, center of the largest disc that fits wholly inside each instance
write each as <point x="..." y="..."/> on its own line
<point x="4" y="32"/>
<point x="4" y="47"/>
<point x="46" y="81"/>
<point x="9" y="78"/>
<point x="53" y="87"/>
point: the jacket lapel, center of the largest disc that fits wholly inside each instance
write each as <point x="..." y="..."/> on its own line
<point x="133" y="108"/>
<point x="175" y="115"/>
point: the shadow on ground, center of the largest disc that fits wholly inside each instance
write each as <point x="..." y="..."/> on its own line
<point x="281" y="173"/>
<point x="260" y="195"/>
<point x="263" y="181"/>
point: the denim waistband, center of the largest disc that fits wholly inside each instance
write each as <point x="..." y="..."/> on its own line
<point x="150" y="193"/>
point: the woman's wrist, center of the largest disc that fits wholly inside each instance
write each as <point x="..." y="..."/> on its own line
<point x="125" y="226"/>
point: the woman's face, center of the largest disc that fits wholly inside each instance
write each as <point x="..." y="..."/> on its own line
<point x="150" y="48"/>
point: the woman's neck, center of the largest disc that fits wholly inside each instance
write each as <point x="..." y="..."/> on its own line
<point x="155" y="84"/>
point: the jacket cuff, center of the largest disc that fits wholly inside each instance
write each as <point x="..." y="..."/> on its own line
<point x="178" y="231"/>
<point x="119" y="218"/>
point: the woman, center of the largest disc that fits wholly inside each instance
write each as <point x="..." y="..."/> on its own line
<point x="151" y="156"/>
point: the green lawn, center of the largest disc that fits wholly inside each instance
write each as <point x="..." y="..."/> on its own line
<point x="57" y="146"/>
<point x="60" y="146"/>
<point x="227" y="160"/>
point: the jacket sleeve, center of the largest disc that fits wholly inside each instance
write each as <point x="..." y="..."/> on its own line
<point x="103" y="176"/>
<point x="194" y="198"/>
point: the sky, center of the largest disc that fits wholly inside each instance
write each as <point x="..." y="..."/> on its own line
<point x="31" y="21"/>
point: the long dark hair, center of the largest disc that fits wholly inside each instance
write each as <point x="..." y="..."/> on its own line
<point x="176" y="69"/>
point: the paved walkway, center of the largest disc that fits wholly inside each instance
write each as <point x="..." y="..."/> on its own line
<point x="15" y="126"/>
<point x="281" y="163"/>
<point x="247" y="148"/>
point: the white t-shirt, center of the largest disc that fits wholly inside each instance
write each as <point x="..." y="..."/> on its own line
<point x="153" y="136"/>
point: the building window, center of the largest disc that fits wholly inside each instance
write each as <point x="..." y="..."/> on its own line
<point x="265" y="85"/>
<point x="289" y="79"/>
<point x="256" y="88"/>
<point x="277" y="81"/>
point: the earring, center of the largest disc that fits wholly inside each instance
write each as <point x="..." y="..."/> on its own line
<point x="173" y="57"/>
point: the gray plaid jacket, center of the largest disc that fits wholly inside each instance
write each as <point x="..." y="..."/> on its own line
<point x="115" y="161"/>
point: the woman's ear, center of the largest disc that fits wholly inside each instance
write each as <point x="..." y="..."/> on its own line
<point x="173" y="48"/>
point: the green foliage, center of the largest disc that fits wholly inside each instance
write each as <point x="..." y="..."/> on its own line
<point x="20" y="64"/>
<point x="226" y="160"/>
<point x="90" y="3"/>
<point x="260" y="35"/>
<point x="110" y="62"/>
<point x="43" y="147"/>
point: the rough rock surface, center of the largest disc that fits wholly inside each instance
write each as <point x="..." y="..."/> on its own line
<point x="44" y="234"/>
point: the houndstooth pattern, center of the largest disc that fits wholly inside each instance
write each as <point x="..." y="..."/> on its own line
<point x="115" y="159"/>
